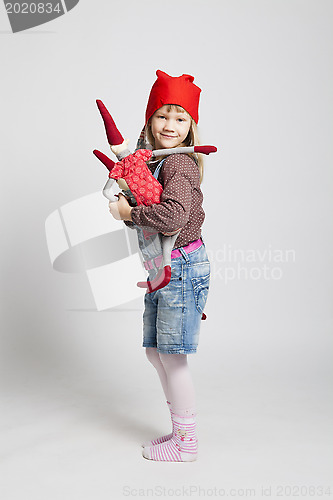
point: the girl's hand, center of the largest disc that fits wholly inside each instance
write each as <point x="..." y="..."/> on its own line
<point x="121" y="209"/>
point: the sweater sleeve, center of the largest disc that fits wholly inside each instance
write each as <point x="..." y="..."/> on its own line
<point x="179" y="175"/>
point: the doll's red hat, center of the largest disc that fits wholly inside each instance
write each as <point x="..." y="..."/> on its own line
<point x="174" y="90"/>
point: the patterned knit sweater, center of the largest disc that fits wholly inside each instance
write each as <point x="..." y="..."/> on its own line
<point x="181" y="201"/>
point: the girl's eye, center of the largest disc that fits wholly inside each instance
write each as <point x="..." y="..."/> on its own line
<point x="181" y="119"/>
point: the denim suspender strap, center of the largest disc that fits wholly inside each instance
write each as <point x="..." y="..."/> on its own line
<point x="184" y="254"/>
<point x="158" y="168"/>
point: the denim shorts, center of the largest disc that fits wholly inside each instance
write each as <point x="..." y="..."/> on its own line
<point x="172" y="315"/>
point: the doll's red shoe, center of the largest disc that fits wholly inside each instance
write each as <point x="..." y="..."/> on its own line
<point x="160" y="281"/>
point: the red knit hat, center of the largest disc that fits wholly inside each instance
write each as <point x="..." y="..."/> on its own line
<point x="174" y="90"/>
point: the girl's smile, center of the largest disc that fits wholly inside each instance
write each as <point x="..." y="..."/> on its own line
<point x="169" y="128"/>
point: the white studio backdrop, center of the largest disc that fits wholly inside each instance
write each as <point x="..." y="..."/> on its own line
<point x="76" y="388"/>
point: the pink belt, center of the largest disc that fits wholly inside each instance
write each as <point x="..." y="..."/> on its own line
<point x="149" y="264"/>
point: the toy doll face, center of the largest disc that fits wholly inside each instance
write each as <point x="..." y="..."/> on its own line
<point x="169" y="128"/>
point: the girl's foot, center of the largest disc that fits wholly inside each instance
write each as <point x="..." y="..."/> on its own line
<point x="182" y="447"/>
<point x="156" y="441"/>
<point x="161" y="439"/>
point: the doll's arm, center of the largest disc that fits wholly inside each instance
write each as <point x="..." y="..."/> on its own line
<point x="206" y="150"/>
<point x="107" y="190"/>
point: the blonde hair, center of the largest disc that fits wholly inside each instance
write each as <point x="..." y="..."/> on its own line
<point x="192" y="138"/>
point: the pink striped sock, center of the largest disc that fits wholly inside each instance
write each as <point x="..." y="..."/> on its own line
<point x="182" y="447"/>
<point x="161" y="439"/>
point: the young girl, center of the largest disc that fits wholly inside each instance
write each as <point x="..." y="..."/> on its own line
<point x="172" y="315"/>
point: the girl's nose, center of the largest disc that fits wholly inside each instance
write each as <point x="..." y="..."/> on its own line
<point x="169" y="125"/>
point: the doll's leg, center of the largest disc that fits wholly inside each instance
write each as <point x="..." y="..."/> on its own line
<point x="183" y="445"/>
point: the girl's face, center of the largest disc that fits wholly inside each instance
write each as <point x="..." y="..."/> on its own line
<point x="169" y="128"/>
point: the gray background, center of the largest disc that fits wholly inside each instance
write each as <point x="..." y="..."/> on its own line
<point x="77" y="393"/>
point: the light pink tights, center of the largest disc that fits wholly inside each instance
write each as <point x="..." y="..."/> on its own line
<point x="175" y="378"/>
